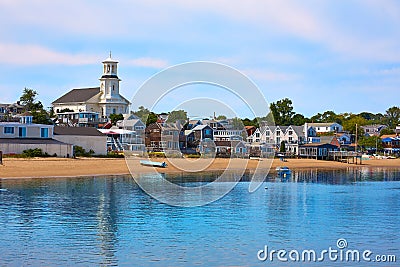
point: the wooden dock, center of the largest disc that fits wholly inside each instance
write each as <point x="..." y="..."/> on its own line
<point x="348" y="157"/>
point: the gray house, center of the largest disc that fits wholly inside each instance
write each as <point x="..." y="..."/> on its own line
<point x="15" y="137"/>
<point x="86" y="137"/>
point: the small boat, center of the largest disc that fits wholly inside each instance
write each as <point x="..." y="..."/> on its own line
<point x="283" y="170"/>
<point x="153" y="163"/>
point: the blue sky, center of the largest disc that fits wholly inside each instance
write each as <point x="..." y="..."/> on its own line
<point x="324" y="55"/>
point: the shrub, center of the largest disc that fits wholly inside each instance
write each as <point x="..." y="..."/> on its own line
<point x="81" y="152"/>
<point x="156" y="155"/>
<point x="193" y="156"/>
<point x="36" y="152"/>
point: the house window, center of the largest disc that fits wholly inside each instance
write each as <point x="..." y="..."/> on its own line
<point x="290" y="132"/>
<point x="267" y="133"/>
<point x="22" y="131"/>
<point x="290" y="139"/>
<point x="44" y="132"/>
<point x="208" y="131"/>
<point x="278" y="132"/>
<point x="257" y="134"/>
<point x="8" y="130"/>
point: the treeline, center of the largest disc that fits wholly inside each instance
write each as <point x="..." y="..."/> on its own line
<point x="283" y="114"/>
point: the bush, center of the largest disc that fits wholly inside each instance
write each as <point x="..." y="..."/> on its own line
<point x="81" y="152"/>
<point x="156" y="155"/>
<point x="36" y="152"/>
<point x="193" y="156"/>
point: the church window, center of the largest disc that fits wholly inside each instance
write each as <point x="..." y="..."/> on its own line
<point x="113" y="69"/>
<point x="108" y="68"/>
<point x="113" y="87"/>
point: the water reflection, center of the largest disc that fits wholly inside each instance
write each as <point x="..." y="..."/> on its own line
<point x="110" y="221"/>
<point x="78" y="211"/>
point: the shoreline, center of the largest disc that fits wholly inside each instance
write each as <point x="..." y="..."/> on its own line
<point x="58" y="168"/>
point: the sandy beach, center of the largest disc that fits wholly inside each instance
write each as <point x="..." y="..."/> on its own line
<point x="58" y="167"/>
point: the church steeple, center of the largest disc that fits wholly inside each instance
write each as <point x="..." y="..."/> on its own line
<point x="109" y="81"/>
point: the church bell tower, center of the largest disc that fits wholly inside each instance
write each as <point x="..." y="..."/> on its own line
<point x="109" y="81"/>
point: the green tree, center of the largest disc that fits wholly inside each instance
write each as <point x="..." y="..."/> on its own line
<point x="327" y="116"/>
<point x="28" y="98"/>
<point x="145" y="115"/>
<point x="221" y="117"/>
<point x="151" y="118"/>
<point x="392" y="117"/>
<point x="237" y="124"/>
<point x="370" y="142"/>
<point x="116" y="117"/>
<point x="299" y="119"/>
<point x="387" y="131"/>
<point x="41" y="117"/>
<point x="282" y="147"/>
<point x="177" y="115"/>
<point x="248" y="122"/>
<point x="282" y="111"/>
<point x="350" y="124"/>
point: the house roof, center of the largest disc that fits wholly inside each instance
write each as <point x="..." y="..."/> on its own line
<point x="31" y="141"/>
<point x="200" y="127"/>
<point x="327" y="139"/>
<point x="128" y="123"/>
<point x="388" y="136"/>
<point x="318" y="145"/>
<point x="78" y="95"/>
<point x="322" y="124"/>
<point x="298" y="130"/>
<point x="26" y="113"/>
<point x="82" y="131"/>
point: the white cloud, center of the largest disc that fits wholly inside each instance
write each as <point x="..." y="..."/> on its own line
<point x="148" y="63"/>
<point x="267" y="75"/>
<point x="30" y="54"/>
<point x="158" y="20"/>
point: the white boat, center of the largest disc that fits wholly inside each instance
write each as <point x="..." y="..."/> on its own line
<point x="153" y="163"/>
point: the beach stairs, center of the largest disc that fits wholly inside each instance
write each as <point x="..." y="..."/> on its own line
<point x="117" y="144"/>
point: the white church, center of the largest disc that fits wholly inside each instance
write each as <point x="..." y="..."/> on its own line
<point x="81" y="106"/>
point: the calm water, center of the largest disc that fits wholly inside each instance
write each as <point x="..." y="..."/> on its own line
<point x="110" y="221"/>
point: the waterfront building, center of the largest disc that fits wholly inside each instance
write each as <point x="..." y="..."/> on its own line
<point x="85" y="105"/>
<point x="15" y="137"/>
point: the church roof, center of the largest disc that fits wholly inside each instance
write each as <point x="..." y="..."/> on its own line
<point x="109" y="76"/>
<point x="78" y="95"/>
<point x="109" y="59"/>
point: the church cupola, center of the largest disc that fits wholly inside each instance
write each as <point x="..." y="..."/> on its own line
<point x="109" y="81"/>
<point x="110" y="68"/>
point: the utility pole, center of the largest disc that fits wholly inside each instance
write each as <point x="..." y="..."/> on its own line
<point x="355" y="149"/>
